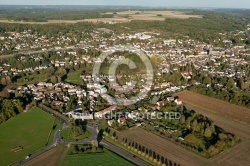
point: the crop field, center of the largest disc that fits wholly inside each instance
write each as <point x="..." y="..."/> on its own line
<point x="51" y="158"/>
<point x="123" y="16"/>
<point x="105" y="159"/>
<point x="217" y="106"/>
<point x="24" y="134"/>
<point x="232" y="118"/>
<point x="163" y="147"/>
<point x="155" y="15"/>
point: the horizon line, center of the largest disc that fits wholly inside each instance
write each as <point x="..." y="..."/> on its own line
<point x="130" y="6"/>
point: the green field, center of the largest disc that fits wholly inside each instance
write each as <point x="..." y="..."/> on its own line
<point x="70" y="134"/>
<point x="31" y="79"/>
<point x="29" y="130"/>
<point x="74" y="77"/>
<point x="93" y="159"/>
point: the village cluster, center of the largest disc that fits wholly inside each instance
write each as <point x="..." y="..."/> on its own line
<point x="178" y="52"/>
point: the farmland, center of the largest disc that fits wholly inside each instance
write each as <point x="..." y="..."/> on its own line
<point x="216" y="106"/>
<point x="106" y="158"/>
<point x="164" y="147"/>
<point x="123" y="16"/>
<point x="24" y="134"/>
<point x="51" y="158"/>
<point x="154" y="15"/>
<point x="222" y="114"/>
<point x="232" y="118"/>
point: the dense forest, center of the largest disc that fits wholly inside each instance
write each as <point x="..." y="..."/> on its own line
<point x="43" y="14"/>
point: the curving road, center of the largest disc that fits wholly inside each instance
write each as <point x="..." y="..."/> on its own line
<point x="94" y="134"/>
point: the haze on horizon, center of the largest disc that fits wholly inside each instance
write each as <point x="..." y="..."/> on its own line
<point x="150" y="3"/>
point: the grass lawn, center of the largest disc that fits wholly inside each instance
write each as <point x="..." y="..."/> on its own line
<point x="69" y="134"/>
<point x="127" y="148"/>
<point x="74" y="77"/>
<point x="31" y="79"/>
<point x="29" y="130"/>
<point x="56" y="127"/>
<point x="104" y="159"/>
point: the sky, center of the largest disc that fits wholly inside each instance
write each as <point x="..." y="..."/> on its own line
<point x="163" y="3"/>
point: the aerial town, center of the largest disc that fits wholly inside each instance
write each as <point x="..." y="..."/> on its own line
<point x="128" y="91"/>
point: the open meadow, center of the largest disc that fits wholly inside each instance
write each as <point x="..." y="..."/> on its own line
<point x="24" y="134"/>
<point x="106" y="158"/>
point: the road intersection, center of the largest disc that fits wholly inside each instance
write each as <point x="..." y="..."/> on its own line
<point x="93" y="128"/>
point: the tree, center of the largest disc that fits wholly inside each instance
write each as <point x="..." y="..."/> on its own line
<point x="50" y="71"/>
<point x="230" y="83"/>
<point x="54" y="79"/>
<point x="190" y="138"/>
<point x="61" y="72"/>
<point x="207" y="80"/>
<point x="10" y="108"/>
<point x="212" y="150"/>
<point x="8" y="80"/>
<point x="193" y="125"/>
<point x="94" y="143"/>
<point x="208" y="132"/>
<point x="80" y="52"/>
<point x="4" y="93"/>
<point x="3" y="81"/>
<point x="220" y="145"/>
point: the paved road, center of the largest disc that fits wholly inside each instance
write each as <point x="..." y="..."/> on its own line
<point x="124" y="154"/>
<point x="55" y="141"/>
<point x="94" y="134"/>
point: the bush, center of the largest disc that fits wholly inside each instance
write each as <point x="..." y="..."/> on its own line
<point x="190" y="138"/>
<point x="159" y="163"/>
<point x="212" y="150"/>
<point x="208" y="133"/>
<point x="221" y="145"/>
